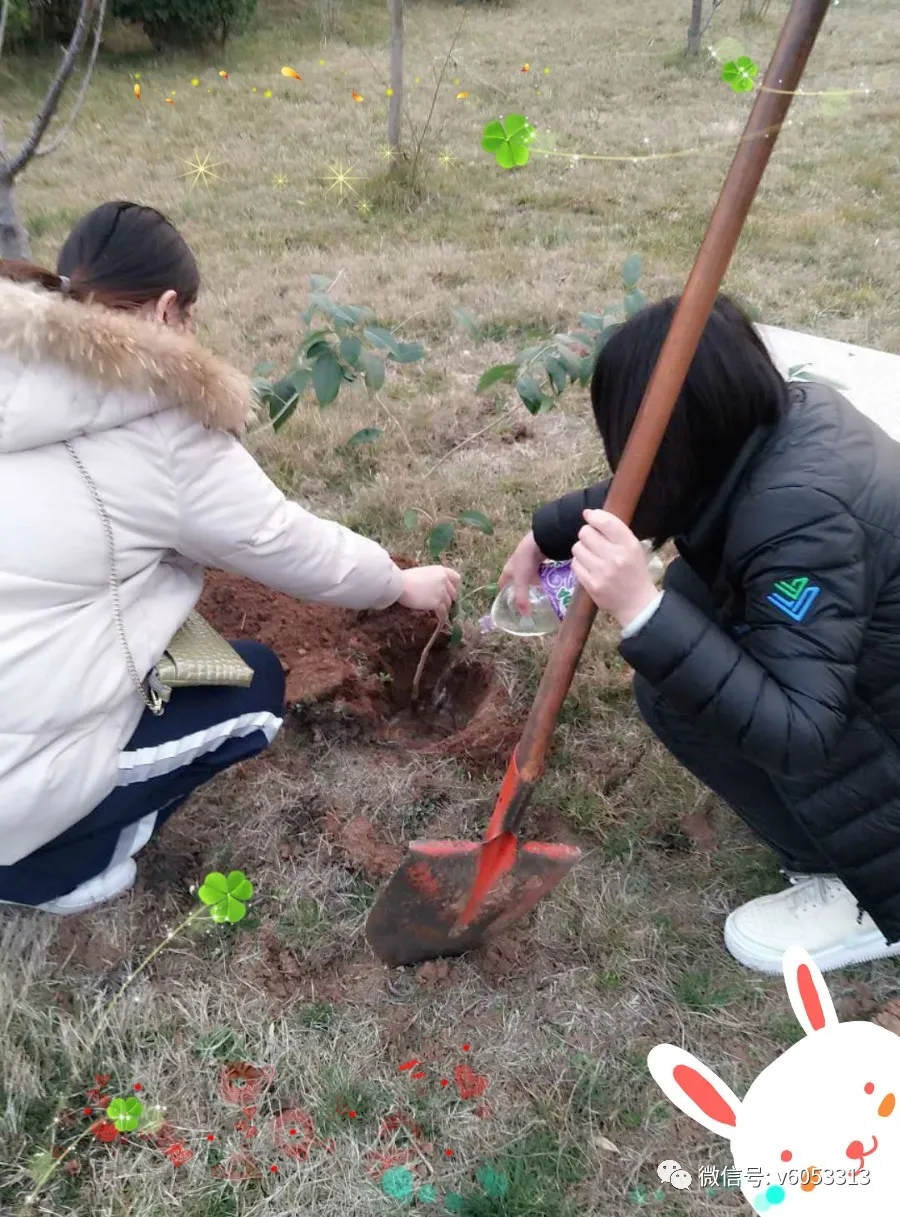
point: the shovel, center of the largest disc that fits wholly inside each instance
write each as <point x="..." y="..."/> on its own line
<point x="450" y="896"/>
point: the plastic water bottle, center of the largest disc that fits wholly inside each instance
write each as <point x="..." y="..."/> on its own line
<point x="550" y="599"/>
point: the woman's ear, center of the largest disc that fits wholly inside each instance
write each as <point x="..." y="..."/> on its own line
<point x="166" y="310"/>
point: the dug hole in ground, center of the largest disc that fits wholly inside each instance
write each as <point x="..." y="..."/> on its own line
<point x="353" y="674"/>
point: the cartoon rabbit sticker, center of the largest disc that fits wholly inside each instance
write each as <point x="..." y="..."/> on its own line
<point x="818" y="1132"/>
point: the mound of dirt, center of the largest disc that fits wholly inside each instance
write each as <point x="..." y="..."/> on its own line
<point x="360" y="666"/>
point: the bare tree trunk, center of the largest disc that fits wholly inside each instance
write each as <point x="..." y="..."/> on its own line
<point x="695" y="28"/>
<point x="395" y="112"/>
<point x="13" y="237"/>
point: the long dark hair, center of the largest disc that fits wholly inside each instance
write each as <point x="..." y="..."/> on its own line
<point x="732" y="388"/>
<point x="122" y="255"/>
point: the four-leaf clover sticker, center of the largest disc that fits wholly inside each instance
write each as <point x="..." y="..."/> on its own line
<point x="225" y="895"/>
<point x="125" y="1114"/>
<point x="508" y="140"/>
<point x="739" y="73"/>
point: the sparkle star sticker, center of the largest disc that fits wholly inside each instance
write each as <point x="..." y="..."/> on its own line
<point x="201" y="170"/>
<point x="279" y="180"/>
<point x="364" y="207"/>
<point x="446" y="159"/>
<point x="340" y="179"/>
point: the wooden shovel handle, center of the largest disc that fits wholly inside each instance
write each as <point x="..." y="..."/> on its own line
<point x="763" y="126"/>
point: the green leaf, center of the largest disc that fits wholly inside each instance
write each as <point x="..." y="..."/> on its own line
<point x="373" y="369"/>
<point x="357" y="315"/>
<point x="477" y="519"/>
<point x="570" y="361"/>
<point x="382" y="338"/>
<point x="466" y="322"/>
<point x="530" y="392"/>
<point x="265" y="369"/>
<point x="634" y="302"/>
<point x="368" y="435"/>
<point x="327" y="377"/>
<point x="440" y="537"/>
<point x="319" y="283"/>
<point x="409" y="352"/>
<point x="631" y="271"/>
<point x="500" y="371"/>
<point x="410" y="519"/>
<point x="284" y="396"/>
<point x="312" y="341"/>
<point x="456" y="635"/>
<point x="592" y="321"/>
<point x="557" y="373"/>
<point x="350" y="350"/>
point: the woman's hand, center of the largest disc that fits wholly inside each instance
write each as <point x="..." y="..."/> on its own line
<point x="610" y="564"/>
<point x="430" y="589"/>
<point x="522" y="571"/>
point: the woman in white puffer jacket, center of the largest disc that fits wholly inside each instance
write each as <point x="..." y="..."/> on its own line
<point x="116" y="426"/>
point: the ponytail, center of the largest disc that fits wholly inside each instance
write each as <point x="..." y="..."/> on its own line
<point x="26" y="272"/>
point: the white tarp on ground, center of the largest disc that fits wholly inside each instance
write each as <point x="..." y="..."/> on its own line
<point x="868" y="378"/>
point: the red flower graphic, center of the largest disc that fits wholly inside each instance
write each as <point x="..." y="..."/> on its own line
<point x="178" y="1155"/>
<point x="471" y="1085"/>
<point x="240" y="1083"/>
<point x="105" y="1130"/>
<point x="294" y="1133"/>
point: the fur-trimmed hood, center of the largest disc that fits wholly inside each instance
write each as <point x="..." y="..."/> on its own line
<point x="68" y="369"/>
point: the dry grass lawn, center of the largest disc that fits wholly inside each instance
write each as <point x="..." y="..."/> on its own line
<point x="559" y="1015"/>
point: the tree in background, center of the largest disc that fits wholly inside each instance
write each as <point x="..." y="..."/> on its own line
<point x="91" y="13"/>
<point x="395" y="111"/>
<point x="698" y="26"/>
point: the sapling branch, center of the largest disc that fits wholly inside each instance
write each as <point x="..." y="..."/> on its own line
<point x="423" y="659"/>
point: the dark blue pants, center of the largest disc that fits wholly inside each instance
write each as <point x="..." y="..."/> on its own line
<point x="745" y="787"/>
<point x="203" y="731"/>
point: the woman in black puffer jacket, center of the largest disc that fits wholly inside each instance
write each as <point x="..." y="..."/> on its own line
<point x="769" y="664"/>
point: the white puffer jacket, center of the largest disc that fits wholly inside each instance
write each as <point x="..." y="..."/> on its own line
<point x="154" y="419"/>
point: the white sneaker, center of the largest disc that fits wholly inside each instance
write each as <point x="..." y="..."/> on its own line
<point x="818" y="913"/>
<point x="93" y="892"/>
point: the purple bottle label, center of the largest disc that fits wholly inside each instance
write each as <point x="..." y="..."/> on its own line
<point x="558" y="583"/>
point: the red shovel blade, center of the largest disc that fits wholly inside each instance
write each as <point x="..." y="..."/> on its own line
<point x="448" y="897"/>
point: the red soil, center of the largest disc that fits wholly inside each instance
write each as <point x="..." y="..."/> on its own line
<point x="360" y="666"/>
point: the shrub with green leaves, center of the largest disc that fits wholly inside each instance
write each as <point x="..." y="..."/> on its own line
<point x="542" y="373"/>
<point x="348" y="346"/>
<point x="190" y="23"/>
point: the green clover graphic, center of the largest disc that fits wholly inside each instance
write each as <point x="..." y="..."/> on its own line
<point x="739" y="73"/>
<point x="125" y="1113"/>
<point x="508" y="140"/>
<point x="226" y="896"/>
<point x="398" y="1183"/>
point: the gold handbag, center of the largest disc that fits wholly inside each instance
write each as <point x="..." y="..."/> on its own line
<point x="196" y="655"/>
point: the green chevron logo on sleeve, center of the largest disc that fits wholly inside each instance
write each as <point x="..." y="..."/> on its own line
<point x="791" y="589"/>
<point x="793" y="597"/>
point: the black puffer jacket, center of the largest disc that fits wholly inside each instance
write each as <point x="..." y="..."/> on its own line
<point x="801" y="550"/>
